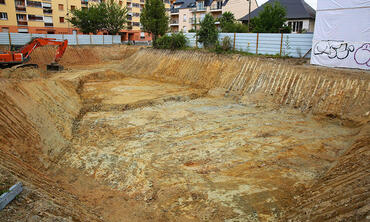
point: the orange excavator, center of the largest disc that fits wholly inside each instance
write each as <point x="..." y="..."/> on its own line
<point x="20" y="57"/>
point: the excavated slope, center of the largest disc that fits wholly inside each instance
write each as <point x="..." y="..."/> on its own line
<point x="75" y="119"/>
<point x="342" y="93"/>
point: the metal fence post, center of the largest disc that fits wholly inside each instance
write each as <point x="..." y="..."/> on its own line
<point x="76" y="39"/>
<point x="10" y="41"/>
<point x="90" y="39"/>
<point x="281" y="43"/>
<point x="258" y="35"/>
<point x="112" y="39"/>
<point x="103" y="39"/>
<point x="234" y="41"/>
<point x="196" y="41"/>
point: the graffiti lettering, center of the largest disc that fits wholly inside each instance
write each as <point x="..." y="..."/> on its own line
<point x="362" y="55"/>
<point x="334" y="49"/>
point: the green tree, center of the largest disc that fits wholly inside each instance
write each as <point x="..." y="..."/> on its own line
<point x="226" y="20"/>
<point x="270" y="20"/>
<point x="90" y="20"/>
<point x="115" y="17"/>
<point x="154" y="18"/>
<point x="208" y="34"/>
<point x="228" y="24"/>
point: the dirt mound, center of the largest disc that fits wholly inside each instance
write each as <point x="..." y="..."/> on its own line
<point x="22" y="73"/>
<point x="82" y="55"/>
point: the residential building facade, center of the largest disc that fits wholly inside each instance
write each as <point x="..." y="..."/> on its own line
<point x="186" y="15"/>
<point x="50" y="16"/>
<point x="300" y="15"/>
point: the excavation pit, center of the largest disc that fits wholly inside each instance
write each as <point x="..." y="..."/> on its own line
<point x="105" y="143"/>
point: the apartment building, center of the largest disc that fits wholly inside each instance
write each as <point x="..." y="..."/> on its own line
<point x="50" y="16"/>
<point x="186" y="15"/>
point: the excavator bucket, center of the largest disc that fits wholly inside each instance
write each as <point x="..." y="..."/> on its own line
<point x="54" y="66"/>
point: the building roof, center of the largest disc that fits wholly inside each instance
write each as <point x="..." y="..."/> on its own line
<point x="296" y="9"/>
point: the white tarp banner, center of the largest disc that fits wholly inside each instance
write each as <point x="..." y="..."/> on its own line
<point x="342" y="34"/>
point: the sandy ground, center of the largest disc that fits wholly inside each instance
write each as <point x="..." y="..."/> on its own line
<point x="195" y="159"/>
<point x="146" y="150"/>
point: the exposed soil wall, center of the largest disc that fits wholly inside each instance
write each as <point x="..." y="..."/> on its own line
<point x="343" y="193"/>
<point x="36" y="118"/>
<point x="333" y="92"/>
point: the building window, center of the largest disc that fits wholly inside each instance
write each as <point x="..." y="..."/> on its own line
<point x="35" y="18"/>
<point x="60" y="7"/>
<point x="61" y="19"/>
<point x="73" y="7"/>
<point x="34" y="4"/>
<point x="3" y="16"/>
<point x="296" y="26"/>
<point x="2" y="2"/>
<point x="22" y="30"/>
<point x="5" y="29"/>
<point x="184" y="28"/>
<point x="184" y="17"/>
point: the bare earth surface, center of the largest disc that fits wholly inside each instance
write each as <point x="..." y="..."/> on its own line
<point x="203" y="159"/>
<point x="95" y="143"/>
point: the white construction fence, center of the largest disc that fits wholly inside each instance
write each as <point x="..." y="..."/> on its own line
<point x="294" y="45"/>
<point x="23" y="38"/>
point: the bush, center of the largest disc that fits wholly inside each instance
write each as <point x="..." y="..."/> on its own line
<point x="174" y="41"/>
<point x="234" y="27"/>
<point x="208" y="33"/>
<point x="226" y="43"/>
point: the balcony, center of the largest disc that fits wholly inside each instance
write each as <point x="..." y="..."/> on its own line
<point x="174" y="11"/>
<point x="49" y="24"/>
<point x="216" y="9"/>
<point x="193" y="20"/>
<point x="142" y="1"/>
<point x="48" y="11"/>
<point x="22" y="23"/>
<point x="199" y="9"/>
<point x="20" y="8"/>
<point x="174" y="22"/>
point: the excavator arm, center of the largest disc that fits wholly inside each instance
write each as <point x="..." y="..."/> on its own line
<point x="37" y="42"/>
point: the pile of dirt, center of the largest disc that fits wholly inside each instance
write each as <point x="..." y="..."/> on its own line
<point x="22" y="73"/>
<point x="82" y="55"/>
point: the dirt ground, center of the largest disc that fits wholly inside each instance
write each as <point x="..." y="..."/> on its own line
<point x="146" y="150"/>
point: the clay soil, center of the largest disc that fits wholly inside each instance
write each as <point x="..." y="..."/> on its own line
<point x="146" y="150"/>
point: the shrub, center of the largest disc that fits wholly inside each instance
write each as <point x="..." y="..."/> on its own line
<point x="208" y="33"/>
<point x="174" y="41"/>
<point x="226" y="43"/>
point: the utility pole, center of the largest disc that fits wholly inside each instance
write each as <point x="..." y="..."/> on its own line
<point x="249" y="16"/>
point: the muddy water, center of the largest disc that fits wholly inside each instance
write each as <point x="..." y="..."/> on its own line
<point x="199" y="157"/>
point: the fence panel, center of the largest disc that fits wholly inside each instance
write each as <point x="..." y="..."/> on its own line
<point x="58" y="37"/>
<point x="83" y="39"/>
<point x="20" y="38"/>
<point x="71" y="39"/>
<point x="97" y="39"/>
<point x="295" y="45"/>
<point x="246" y="42"/>
<point x="4" y="38"/>
<point x="191" y="39"/>
<point x="116" y="39"/>
<point x="269" y="44"/>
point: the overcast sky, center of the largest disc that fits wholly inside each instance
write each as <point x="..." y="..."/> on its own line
<point x="313" y="3"/>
